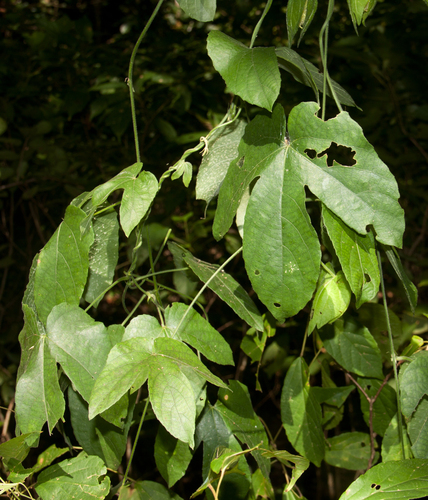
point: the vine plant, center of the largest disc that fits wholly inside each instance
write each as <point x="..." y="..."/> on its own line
<point x="265" y="171"/>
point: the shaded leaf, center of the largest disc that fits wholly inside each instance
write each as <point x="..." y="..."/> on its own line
<point x="62" y="265"/>
<point x="17" y="449"/>
<point x="223" y="148"/>
<point x="418" y="429"/>
<point x="228" y="289"/>
<point x="300" y="464"/>
<point x="305" y="72"/>
<point x="19" y="474"/>
<point x="252" y="74"/>
<point x="401" y="480"/>
<point x="301" y="413"/>
<point x="353" y="347"/>
<point x="359" y="10"/>
<point x="391" y="445"/>
<point x="149" y="490"/>
<point x="414" y="383"/>
<point x="349" y="450"/>
<point x="238" y="414"/>
<point x="334" y="396"/>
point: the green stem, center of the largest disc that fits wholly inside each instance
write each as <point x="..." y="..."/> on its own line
<point x="130" y="79"/>
<point x="206" y="285"/>
<point x="135" y="442"/>
<point x="323" y="42"/>
<point x="258" y="25"/>
<point x="393" y="356"/>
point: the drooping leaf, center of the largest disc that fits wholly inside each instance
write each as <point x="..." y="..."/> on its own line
<point x="103" y="256"/>
<point x="400" y="480"/>
<point x="349" y="450"/>
<point x="409" y="288"/>
<point x="237" y="412"/>
<point x="299" y="16"/>
<point x="301" y="413"/>
<point x="139" y="190"/>
<point x="172" y="456"/>
<point x="149" y="490"/>
<point x="38" y="396"/>
<point x="252" y="74"/>
<point x="223" y="148"/>
<point x="418" y="429"/>
<point x="414" y="383"/>
<point x="299" y="467"/>
<point x="391" y="445"/>
<point x="334" y="396"/>
<point x="360" y="9"/>
<point x="261" y="487"/>
<point x="331" y="300"/>
<point x="198" y="332"/>
<point x="305" y="72"/>
<point x="384" y="407"/>
<point x="357" y="256"/>
<point x="96" y="436"/>
<point x="82" y="477"/>
<point x="16" y="449"/>
<point x="228" y="289"/>
<point x="19" y="473"/>
<point x="62" y="265"/>
<point x="201" y="10"/>
<point x="353" y="347"/>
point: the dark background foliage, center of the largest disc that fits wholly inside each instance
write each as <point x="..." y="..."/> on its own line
<point x="66" y="127"/>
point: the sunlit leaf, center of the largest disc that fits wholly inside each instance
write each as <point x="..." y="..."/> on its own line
<point x="252" y="74"/>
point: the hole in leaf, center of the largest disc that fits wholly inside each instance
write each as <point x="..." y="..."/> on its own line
<point x="256" y="272"/>
<point x="340" y="154"/>
<point x="240" y="162"/>
<point x="363" y="445"/>
<point x="367" y="278"/>
<point x="373" y="485"/>
<point x="311" y="153"/>
<point x="378" y="486"/>
<point x="276" y="304"/>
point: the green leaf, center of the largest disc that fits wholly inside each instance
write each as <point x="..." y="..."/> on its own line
<point x="149" y="490"/>
<point x="305" y="72"/>
<point x="261" y="486"/>
<point x="172" y="456"/>
<point x="414" y="383"/>
<point x="353" y="347"/>
<point x="237" y="412"/>
<point x="126" y="367"/>
<point x="103" y="256"/>
<point x="197" y="332"/>
<point x="62" y="266"/>
<point x="409" y="288"/>
<point x="401" y="480"/>
<point x="139" y="188"/>
<point x="350" y="450"/>
<point x="38" y="396"/>
<point x="223" y="148"/>
<point x="16" y="449"/>
<point x="19" y="474"/>
<point x="391" y="445"/>
<point x="201" y="10"/>
<point x="96" y="436"/>
<point x="331" y="300"/>
<point x="81" y="477"/>
<point x="301" y="413"/>
<point x="228" y="289"/>
<point x="71" y="334"/>
<point x="299" y="16"/>
<point x="144" y="326"/>
<point x="252" y="74"/>
<point x="418" y="429"/>
<point x="300" y="464"/>
<point x="359" y="10"/>
<point x="357" y="256"/>
<point x="334" y="396"/>
<point x="384" y="407"/>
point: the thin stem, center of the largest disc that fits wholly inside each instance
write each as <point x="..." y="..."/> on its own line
<point x="152" y="267"/>
<point x="206" y="285"/>
<point x="130" y="79"/>
<point x="135" y="442"/>
<point x="393" y="356"/>
<point x="259" y="24"/>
